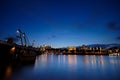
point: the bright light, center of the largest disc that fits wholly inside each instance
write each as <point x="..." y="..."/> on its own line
<point x="23" y="34"/>
<point x="12" y="50"/>
<point x="18" y="31"/>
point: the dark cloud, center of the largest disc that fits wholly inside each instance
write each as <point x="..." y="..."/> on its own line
<point x="113" y="26"/>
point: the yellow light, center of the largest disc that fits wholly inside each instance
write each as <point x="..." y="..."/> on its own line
<point x="12" y="50"/>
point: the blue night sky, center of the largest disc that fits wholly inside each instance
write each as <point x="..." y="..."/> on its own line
<point x="62" y="23"/>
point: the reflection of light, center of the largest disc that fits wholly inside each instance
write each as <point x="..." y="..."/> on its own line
<point x="115" y="61"/>
<point x="72" y="59"/>
<point x="8" y="71"/>
<point x="75" y="59"/>
<point x="64" y="58"/>
<point x="102" y="60"/>
<point x="97" y="61"/>
<point x="86" y="59"/>
<point x="59" y="59"/>
<point x="12" y="50"/>
<point x="69" y="59"/>
<point x="52" y="58"/>
<point x="93" y="61"/>
<point x="42" y="59"/>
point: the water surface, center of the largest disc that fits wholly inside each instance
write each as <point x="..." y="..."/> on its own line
<point x="67" y="67"/>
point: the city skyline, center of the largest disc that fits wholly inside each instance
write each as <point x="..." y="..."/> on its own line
<point x="62" y="23"/>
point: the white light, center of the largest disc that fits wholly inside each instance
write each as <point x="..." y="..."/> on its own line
<point x="23" y="35"/>
<point x="18" y="31"/>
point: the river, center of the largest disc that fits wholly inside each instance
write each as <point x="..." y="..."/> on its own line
<point x="65" y="67"/>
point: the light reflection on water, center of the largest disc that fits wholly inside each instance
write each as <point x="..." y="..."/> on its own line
<point x="71" y="67"/>
<point x="72" y="60"/>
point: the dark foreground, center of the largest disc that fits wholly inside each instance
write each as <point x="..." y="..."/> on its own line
<point x="64" y="67"/>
